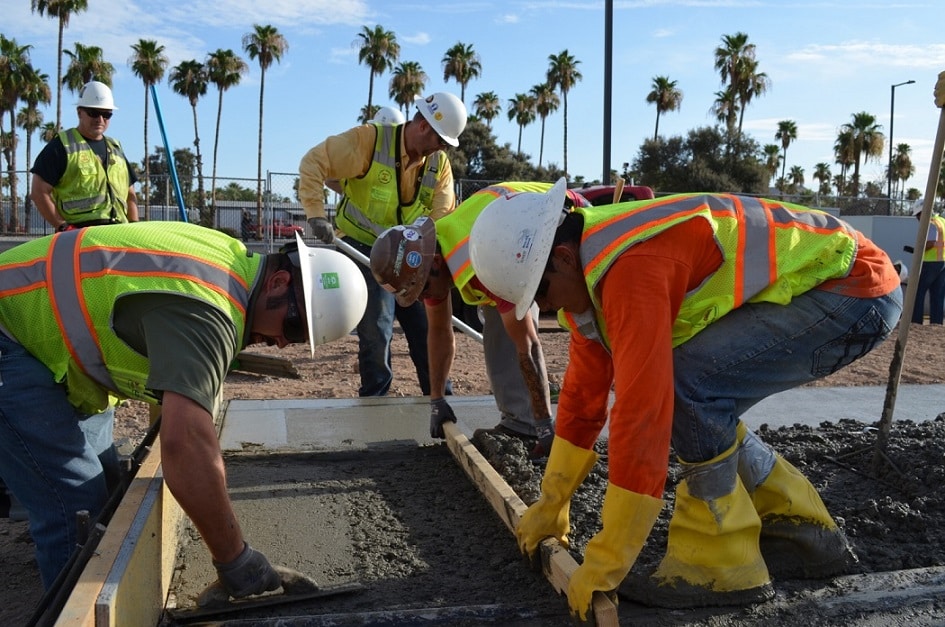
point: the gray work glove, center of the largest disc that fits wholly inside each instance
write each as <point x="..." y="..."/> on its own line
<point x="250" y="573"/>
<point x="440" y="412"/>
<point x="322" y="229"/>
<point x="545" y="430"/>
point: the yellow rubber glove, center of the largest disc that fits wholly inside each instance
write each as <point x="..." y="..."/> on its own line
<point x="939" y="91"/>
<point x="627" y="520"/>
<point x="567" y="467"/>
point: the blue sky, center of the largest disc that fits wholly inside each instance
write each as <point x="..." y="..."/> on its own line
<point x="826" y="61"/>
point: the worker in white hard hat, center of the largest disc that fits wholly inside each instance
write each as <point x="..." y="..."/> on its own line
<point x="390" y="175"/>
<point x="155" y="312"/>
<point x="82" y="177"/>
<point x="426" y="260"/>
<point x="689" y="309"/>
<point x="932" y="274"/>
<point x="389" y="115"/>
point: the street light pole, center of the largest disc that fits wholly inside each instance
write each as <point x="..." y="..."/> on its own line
<point x="892" y="111"/>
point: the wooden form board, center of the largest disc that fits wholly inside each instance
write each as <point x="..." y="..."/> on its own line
<point x="126" y="581"/>
<point x="557" y="563"/>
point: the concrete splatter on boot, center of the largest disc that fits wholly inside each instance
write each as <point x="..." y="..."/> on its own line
<point x="799" y="538"/>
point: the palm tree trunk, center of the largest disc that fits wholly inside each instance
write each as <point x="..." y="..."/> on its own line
<point x="259" y="216"/>
<point x="147" y="162"/>
<point x="11" y="162"/>
<point x="566" y="137"/>
<point x="27" y="203"/>
<point x="656" y="131"/>
<point x="519" y="151"/>
<point x="213" y="183"/>
<point x="541" y="145"/>
<point x="59" y="79"/>
<point x="201" y="199"/>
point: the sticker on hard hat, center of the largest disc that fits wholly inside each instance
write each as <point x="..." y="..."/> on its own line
<point x="329" y="281"/>
<point x="525" y="240"/>
<point x="412" y="235"/>
<point x="414" y="259"/>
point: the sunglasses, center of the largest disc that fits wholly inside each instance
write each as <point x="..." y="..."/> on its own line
<point x="98" y="113"/>
<point x="294" y="328"/>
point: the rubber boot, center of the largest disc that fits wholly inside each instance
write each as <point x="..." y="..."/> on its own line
<point x="799" y="538"/>
<point x="712" y="554"/>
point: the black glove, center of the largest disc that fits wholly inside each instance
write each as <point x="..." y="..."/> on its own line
<point x="322" y="229"/>
<point x="440" y="412"/>
<point x="545" y="430"/>
<point x="248" y="574"/>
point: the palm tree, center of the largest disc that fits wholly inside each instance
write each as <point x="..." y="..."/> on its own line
<point x="902" y="167"/>
<point x="487" y="106"/>
<point x="189" y="79"/>
<point x="725" y="109"/>
<point x="546" y="103"/>
<point x="462" y="64"/>
<point x="266" y="44"/>
<point x="61" y="10"/>
<point x="822" y="174"/>
<point x="786" y="133"/>
<point x="379" y="50"/>
<point x="408" y="82"/>
<point x="225" y="69"/>
<point x="87" y="63"/>
<point x="47" y="131"/>
<point x="148" y="63"/>
<point x="563" y="74"/>
<point x="772" y="154"/>
<point x="522" y="110"/>
<point x="868" y="142"/>
<point x="751" y="83"/>
<point x="796" y="178"/>
<point x="34" y="90"/>
<point x="666" y="96"/>
<point x="843" y="152"/>
<point x="729" y="55"/>
<point x="15" y="69"/>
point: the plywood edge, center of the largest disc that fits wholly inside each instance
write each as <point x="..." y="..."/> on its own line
<point x="557" y="563"/>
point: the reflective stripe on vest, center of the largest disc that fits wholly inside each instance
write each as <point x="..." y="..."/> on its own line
<point x="101" y="194"/>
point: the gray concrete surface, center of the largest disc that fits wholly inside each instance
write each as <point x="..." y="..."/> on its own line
<point x="359" y="424"/>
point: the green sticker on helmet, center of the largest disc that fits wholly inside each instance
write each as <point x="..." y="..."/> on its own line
<point x="329" y="281"/>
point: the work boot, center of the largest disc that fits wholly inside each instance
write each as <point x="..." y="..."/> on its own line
<point x="712" y="555"/>
<point x="799" y="539"/>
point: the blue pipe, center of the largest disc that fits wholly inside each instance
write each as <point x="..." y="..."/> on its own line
<point x="170" y="157"/>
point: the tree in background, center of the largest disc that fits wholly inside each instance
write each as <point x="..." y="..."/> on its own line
<point x="265" y="44"/>
<point x="546" y="103"/>
<point x="725" y="109"/>
<point x="148" y="63"/>
<point x="772" y="156"/>
<point x="823" y="176"/>
<point x="522" y="111"/>
<point x="34" y="90"/>
<point x="462" y="64"/>
<point x="868" y="142"/>
<point x="378" y="49"/>
<point x="189" y="79"/>
<point x="786" y="133"/>
<point x="843" y="155"/>
<point x="487" y="106"/>
<point x="797" y="179"/>
<point x="225" y="69"/>
<point x="15" y="67"/>
<point x="902" y="166"/>
<point x="563" y="74"/>
<point x="666" y="96"/>
<point x="408" y="81"/>
<point x="87" y="63"/>
<point x="751" y="83"/>
<point x="61" y="11"/>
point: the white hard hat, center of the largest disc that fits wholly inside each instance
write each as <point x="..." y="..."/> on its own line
<point x="389" y="115"/>
<point x="511" y="240"/>
<point x="334" y="290"/>
<point x="96" y="95"/>
<point x="445" y="113"/>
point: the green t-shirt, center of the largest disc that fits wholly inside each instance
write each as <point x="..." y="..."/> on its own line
<point x="189" y="344"/>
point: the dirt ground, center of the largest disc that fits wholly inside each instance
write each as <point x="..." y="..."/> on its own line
<point x="895" y="519"/>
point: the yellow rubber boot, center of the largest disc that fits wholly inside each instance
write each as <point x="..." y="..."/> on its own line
<point x="712" y="553"/>
<point x="799" y="539"/>
<point x="567" y="467"/>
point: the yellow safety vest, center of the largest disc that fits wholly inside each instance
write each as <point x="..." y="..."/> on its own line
<point x="771" y="252"/>
<point x="937" y="252"/>
<point x="58" y="294"/>
<point x="87" y="191"/>
<point x="371" y="203"/>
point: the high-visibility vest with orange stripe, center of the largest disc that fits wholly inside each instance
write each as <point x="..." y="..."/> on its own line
<point x="771" y="252"/>
<point x="87" y="191"/>
<point x="452" y="233"/>
<point x="371" y="203"/>
<point x="937" y="252"/>
<point x="58" y="294"/>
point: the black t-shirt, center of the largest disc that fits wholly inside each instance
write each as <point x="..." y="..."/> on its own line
<point x="50" y="164"/>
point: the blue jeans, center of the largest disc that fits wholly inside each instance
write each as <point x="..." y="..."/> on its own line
<point x="376" y="329"/>
<point x="52" y="457"/>
<point x="760" y="349"/>
<point x="932" y="282"/>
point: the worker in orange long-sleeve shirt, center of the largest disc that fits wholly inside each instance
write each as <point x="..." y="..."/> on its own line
<point x="693" y="308"/>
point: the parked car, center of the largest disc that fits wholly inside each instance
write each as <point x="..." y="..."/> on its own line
<point x="604" y="194"/>
<point x="280" y="230"/>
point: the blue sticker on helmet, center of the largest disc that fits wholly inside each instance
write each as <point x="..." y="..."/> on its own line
<point x="414" y="259"/>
